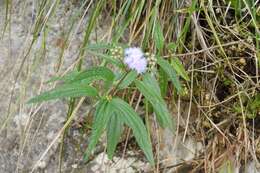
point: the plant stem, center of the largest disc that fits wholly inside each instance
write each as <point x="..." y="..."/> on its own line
<point x="113" y="90"/>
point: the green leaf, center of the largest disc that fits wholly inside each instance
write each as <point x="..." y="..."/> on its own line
<point x="158" y="36"/>
<point x="150" y="89"/>
<point x="96" y="73"/>
<point x="66" y="78"/>
<point x="130" y="117"/>
<point x="255" y="104"/>
<point x="130" y="77"/>
<point x="108" y="58"/>
<point x="171" y="46"/>
<point x="163" y="81"/>
<point x="150" y="80"/>
<point x="178" y="67"/>
<point x="237" y="5"/>
<point x="123" y="11"/>
<point x="182" y="36"/>
<point x="69" y="90"/>
<point x="101" y="118"/>
<point x="89" y="75"/>
<point x="168" y="69"/>
<point x="114" y="130"/>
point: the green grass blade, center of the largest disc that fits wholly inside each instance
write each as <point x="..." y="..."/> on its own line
<point x="124" y="17"/>
<point x="158" y="36"/>
<point x="185" y="29"/>
<point x="91" y="23"/>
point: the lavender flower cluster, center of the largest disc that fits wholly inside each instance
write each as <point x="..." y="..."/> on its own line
<point x="134" y="58"/>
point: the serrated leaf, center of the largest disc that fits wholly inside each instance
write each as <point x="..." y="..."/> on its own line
<point x="69" y="90"/>
<point x="89" y="75"/>
<point x="130" y="117"/>
<point x="101" y="118"/>
<point x="96" y="73"/>
<point x="151" y="91"/>
<point x="130" y="77"/>
<point x="178" y="67"/>
<point x="114" y="131"/>
<point x="66" y="78"/>
<point x="168" y="69"/>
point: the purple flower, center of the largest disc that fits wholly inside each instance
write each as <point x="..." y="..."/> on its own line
<point x="135" y="60"/>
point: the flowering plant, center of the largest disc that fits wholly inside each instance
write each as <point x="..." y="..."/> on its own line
<point x="135" y="60"/>
<point x="135" y="70"/>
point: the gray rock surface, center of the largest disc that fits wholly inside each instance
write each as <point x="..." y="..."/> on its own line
<point x="27" y="130"/>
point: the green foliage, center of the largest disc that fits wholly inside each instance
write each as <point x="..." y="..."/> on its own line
<point x="130" y="77"/>
<point x="114" y="130"/>
<point x="101" y="118"/>
<point x="111" y="115"/>
<point x="158" y="27"/>
<point x="253" y="107"/>
<point x="76" y="84"/>
<point x="171" y="47"/>
<point x="87" y="76"/>
<point x="178" y="67"/>
<point x="95" y="73"/>
<point x="182" y="36"/>
<point x="158" y="36"/>
<point x="130" y="118"/>
<point x="124" y="12"/>
<point x="108" y="59"/>
<point x="237" y="5"/>
<point x="168" y="69"/>
<point x="150" y="89"/>
<point x="255" y="104"/>
<point x="163" y="81"/>
<point x="66" y="79"/>
<point x="69" y="90"/>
